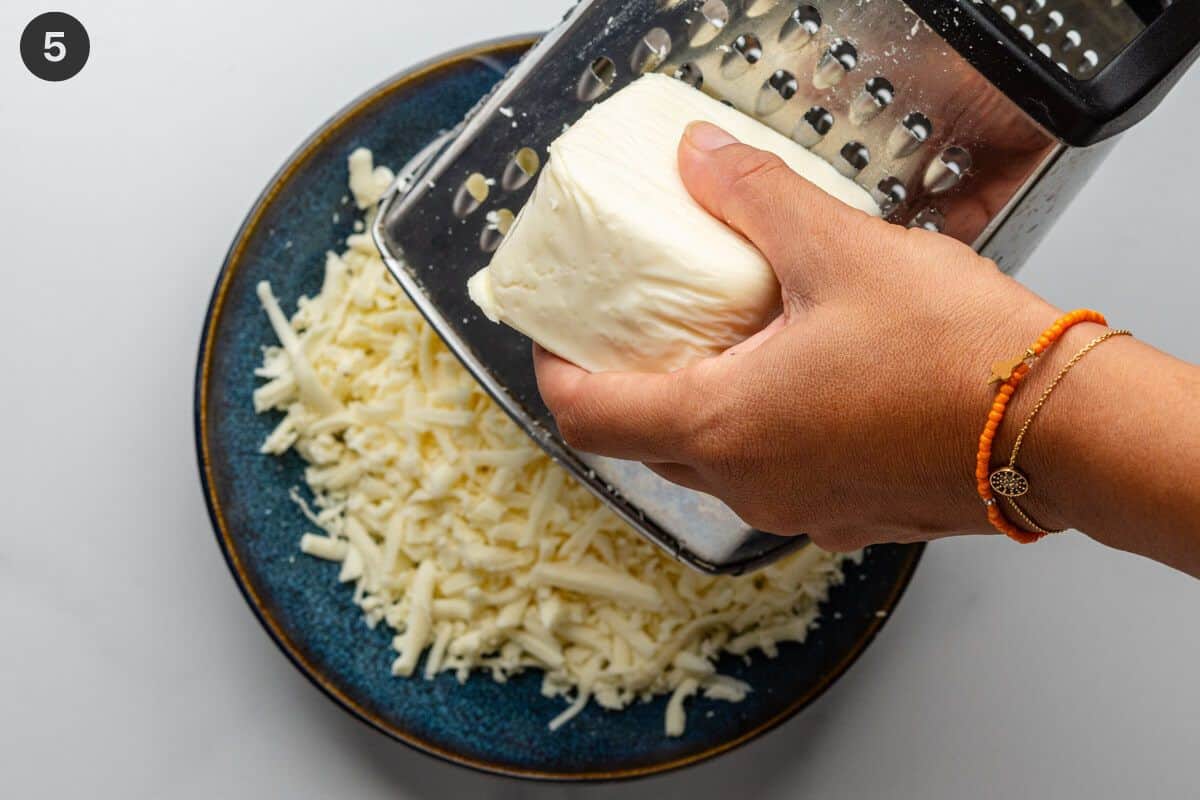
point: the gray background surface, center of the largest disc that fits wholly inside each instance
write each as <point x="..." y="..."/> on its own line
<point x="129" y="664"/>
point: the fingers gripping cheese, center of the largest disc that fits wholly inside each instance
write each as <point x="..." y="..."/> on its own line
<point x="613" y="265"/>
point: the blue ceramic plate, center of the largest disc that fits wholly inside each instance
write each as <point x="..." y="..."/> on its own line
<point x="311" y="617"/>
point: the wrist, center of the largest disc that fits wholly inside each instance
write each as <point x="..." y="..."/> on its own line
<point x="1052" y="445"/>
<point x="1112" y="451"/>
<point x="1013" y="319"/>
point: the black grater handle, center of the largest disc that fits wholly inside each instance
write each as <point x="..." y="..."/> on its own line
<point x="1078" y="112"/>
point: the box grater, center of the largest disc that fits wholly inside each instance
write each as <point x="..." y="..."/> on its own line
<point x="976" y="119"/>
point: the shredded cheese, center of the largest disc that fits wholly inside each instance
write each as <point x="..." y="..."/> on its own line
<point x="464" y="538"/>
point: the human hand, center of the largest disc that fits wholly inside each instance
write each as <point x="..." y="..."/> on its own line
<point x="854" y="417"/>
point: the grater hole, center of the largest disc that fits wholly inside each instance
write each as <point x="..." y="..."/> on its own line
<point x="756" y="8"/>
<point x="776" y="91"/>
<point x="813" y="126"/>
<point x="714" y="16"/>
<point x="877" y="94"/>
<point x="800" y="26"/>
<point x="945" y="172"/>
<point x="1026" y="30"/>
<point x="523" y="166"/>
<point x="1045" y="50"/>
<point x="1054" y="22"/>
<point x="651" y="51"/>
<point x="929" y="219"/>
<point x="1033" y="7"/>
<point x="912" y="132"/>
<point x="748" y="47"/>
<point x="596" y="79"/>
<point x="471" y="195"/>
<point x="840" y="58"/>
<point x="744" y="53"/>
<point x="498" y="224"/>
<point x="1071" y="41"/>
<point x="890" y="194"/>
<point x="690" y="74"/>
<point x="1008" y="12"/>
<point x="881" y="90"/>
<point x="855" y="158"/>
<point x="1088" y="63"/>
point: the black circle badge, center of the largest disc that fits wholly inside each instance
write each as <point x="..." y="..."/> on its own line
<point x="55" y="46"/>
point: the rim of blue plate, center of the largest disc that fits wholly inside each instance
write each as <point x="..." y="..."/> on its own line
<point x="511" y="45"/>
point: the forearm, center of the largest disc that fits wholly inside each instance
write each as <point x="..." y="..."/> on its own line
<point x="1115" y="452"/>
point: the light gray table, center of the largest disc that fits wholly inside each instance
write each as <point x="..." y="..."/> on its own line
<point x="129" y="664"/>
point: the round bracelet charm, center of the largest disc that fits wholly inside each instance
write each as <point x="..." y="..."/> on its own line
<point x="1008" y="482"/>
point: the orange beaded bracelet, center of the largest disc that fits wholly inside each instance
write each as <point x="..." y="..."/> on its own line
<point x="1009" y="375"/>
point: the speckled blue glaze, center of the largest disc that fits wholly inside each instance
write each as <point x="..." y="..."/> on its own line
<point x="302" y="214"/>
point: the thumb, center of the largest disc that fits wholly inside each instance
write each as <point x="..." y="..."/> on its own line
<point x="757" y="194"/>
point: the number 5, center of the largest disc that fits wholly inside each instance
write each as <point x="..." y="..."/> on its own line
<point x="55" y="50"/>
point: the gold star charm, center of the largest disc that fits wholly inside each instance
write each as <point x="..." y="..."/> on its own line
<point x="1003" y="370"/>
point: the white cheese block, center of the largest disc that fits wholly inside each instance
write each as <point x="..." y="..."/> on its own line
<point x="612" y="264"/>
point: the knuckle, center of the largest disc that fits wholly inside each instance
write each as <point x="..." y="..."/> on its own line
<point x="750" y="173"/>
<point x="762" y="517"/>
<point x="712" y="447"/>
<point x="824" y="541"/>
<point x="699" y="445"/>
<point x="695" y="426"/>
<point x="574" y="429"/>
<point x="833" y="542"/>
<point x="755" y="519"/>
<point x="770" y="524"/>
<point x="555" y="394"/>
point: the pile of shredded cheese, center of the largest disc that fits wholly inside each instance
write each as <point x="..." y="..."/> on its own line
<point x="466" y="539"/>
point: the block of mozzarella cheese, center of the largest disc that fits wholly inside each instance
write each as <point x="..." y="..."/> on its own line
<point x="612" y="265"/>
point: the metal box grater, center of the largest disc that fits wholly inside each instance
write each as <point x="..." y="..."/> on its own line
<point x="974" y="119"/>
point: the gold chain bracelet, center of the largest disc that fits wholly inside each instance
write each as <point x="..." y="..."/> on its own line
<point x="1008" y="481"/>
